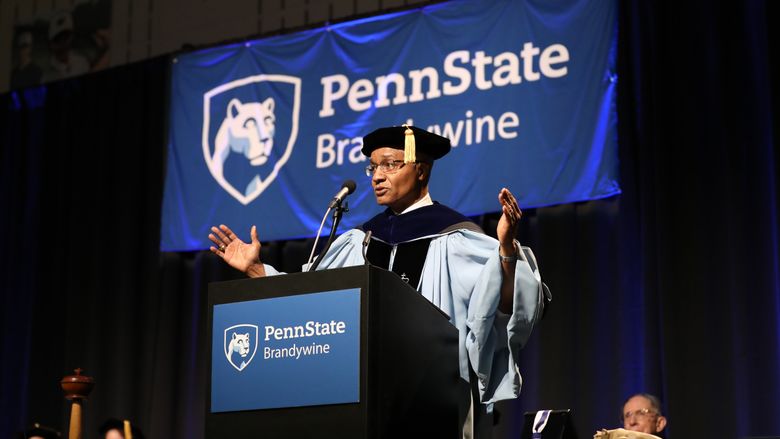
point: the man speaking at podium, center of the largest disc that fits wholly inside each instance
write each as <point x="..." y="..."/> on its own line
<point x="491" y="289"/>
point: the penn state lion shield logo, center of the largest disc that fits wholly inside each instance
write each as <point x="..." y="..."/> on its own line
<point x="249" y="129"/>
<point x="240" y="345"/>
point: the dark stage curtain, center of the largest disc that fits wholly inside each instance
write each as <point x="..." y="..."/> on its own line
<point x="672" y="287"/>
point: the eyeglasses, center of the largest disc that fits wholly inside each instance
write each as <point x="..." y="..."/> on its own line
<point x="639" y="413"/>
<point x="387" y="167"/>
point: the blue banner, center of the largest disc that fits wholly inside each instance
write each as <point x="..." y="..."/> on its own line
<point x="266" y="131"/>
<point x="286" y="352"/>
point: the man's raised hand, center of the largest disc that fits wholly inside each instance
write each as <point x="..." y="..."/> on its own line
<point x="238" y="254"/>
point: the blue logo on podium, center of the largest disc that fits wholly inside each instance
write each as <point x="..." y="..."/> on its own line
<point x="303" y="350"/>
<point x="239" y="341"/>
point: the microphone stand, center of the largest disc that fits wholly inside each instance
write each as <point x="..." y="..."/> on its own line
<point x="366" y="242"/>
<point x="338" y="211"/>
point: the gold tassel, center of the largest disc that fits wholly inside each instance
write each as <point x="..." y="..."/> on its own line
<point x="410" y="149"/>
<point x="128" y="430"/>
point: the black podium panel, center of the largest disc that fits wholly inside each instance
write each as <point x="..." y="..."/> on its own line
<point x="558" y="425"/>
<point x="409" y="385"/>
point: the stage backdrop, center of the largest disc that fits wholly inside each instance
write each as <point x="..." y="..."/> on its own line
<point x="265" y="132"/>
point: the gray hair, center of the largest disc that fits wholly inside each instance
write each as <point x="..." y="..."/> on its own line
<point x="655" y="403"/>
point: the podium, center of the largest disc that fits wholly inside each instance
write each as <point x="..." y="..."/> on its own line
<point x="343" y="353"/>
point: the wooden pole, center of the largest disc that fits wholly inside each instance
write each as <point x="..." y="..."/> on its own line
<point x="75" y="420"/>
<point x="77" y="388"/>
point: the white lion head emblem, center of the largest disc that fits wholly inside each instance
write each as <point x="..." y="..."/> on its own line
<point x="247" y="129"/>
<point x="251" y="137"/>
<point x="239" y="343"/>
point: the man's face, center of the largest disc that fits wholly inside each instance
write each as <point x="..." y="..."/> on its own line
<point x="639" y="415"/>
<point x="399" y="189"/>
<point x="114" y="434"/>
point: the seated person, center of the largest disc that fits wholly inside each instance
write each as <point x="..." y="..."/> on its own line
<point x="38" y="431"/>
<point x="642" y="412"/>
<point x="115" y="429"/>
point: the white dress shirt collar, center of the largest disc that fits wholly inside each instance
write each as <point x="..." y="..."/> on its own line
<point x="422" y="202"/>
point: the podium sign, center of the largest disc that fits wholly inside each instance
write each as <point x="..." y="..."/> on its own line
<point x="294" y="351"/>
<point x="349" y="353"/>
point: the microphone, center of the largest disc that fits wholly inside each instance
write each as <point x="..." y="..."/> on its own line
<point x="347" y="188"/>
